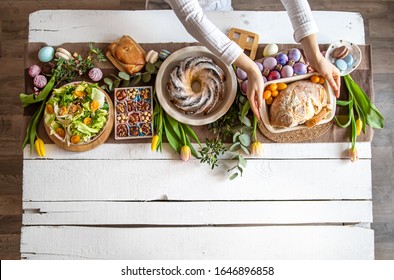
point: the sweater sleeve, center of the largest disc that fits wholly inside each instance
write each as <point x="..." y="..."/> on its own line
<point x="203" y="30"/>
<point x="301" y="18"/>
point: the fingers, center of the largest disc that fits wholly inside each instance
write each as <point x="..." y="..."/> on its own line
<point x="255" y="104"/>
<point x="333" y="84"/>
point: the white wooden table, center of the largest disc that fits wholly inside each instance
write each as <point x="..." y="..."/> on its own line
<point x="122" y="201"/>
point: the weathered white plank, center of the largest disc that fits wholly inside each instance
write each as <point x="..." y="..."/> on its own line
<point x="196" y="213"/>
<point x="59" y="26"/>
<point x="269" y="242"/>
<point x="143" y="151"/>
<point x="63" y="180"/>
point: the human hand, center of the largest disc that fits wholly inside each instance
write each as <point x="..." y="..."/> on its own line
<point x="329" y="72"/>
<point x="255" y="91"/>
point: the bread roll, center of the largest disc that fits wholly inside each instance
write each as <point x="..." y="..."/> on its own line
<point x="128" y="53"/>
<point x="296" y="104"/>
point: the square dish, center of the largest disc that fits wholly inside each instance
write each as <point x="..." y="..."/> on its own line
<point x="133" y="112"/>
<point x="331" y="100"/>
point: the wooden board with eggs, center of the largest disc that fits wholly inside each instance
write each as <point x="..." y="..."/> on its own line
<point x="295" y="97"/>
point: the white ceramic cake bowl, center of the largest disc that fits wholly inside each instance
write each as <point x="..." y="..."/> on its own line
<point x="221" y="107"/>
<point x="331" y="99"/>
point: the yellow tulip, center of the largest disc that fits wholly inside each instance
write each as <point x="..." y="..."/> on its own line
<point x="359" y="126"/>
<point x="155" y="142"/>
<point x="353" y="154"/>
<point x="40" y="147"/>
<point x="257" y="148"/>
<point x="185" y="153"/>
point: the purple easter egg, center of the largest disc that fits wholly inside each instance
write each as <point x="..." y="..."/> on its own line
<point x="300" y="68"/>
<point x="261" y="67"/>
<point x="241" y="74"/>
<point x="281" y="58"/>
<point x="287" y="71"/>
<point x="269" y="63"/>
<point x="244" y="86"/>
<point x="295" y="54"/>
<point x="273" y="75"/>
<point x="264" y="79"/>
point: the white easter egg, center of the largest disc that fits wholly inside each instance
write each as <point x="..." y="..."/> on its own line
<point x="270" y="49"/>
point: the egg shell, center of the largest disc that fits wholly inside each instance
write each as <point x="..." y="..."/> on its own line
<point x="294" y="54"/>
<point x="46" y="54"/>
<point x="281" y="58"/>
<point x="349" y="60"/>
<point x="300" y="68"/>
<point x="261" y="67"/>
<point x="270" y="49"/>
<point x="287" y="71"/>
<point x="341" y="64"/>
<point x="273" y="75"/>
<point x="241" y="74"/>
<point x="269" y="63"/>
<point x="244" y="86"/>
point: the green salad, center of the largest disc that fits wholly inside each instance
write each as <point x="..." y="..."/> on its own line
<point x="76" y="113"/>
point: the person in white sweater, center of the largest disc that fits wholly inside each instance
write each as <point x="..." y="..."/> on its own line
<point x="191" y="14"/>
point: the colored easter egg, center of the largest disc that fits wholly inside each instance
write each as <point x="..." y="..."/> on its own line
<point x="244" y="86"/>
<point x="295" y="54"/>
<point x="273" y="75"/>
<point x="264" y="79"/>
<point x="287" y="71"/>
<point x="270" y="49"/>
<point x="163" y="54"/>
<point x="349" y="60"/>
<point x="269" y="63"/>
<point x="281" y="58"/>
<point x="341" y="64"/>
<point x="241" y="74"/>
<point x="300" y="68"/>
<point x="46" y="54"/>
<point x="261" y="67"/>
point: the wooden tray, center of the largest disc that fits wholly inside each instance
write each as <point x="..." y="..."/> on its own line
<point x="247" y="40"/>
<point x="100" y="139"/>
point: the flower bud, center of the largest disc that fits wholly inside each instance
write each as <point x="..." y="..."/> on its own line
<point x="40" y="147"/>
<point x="353" y="154"/>
<point x="155" y="142"/>
<point x="359" y="126"/>
<point x="185" y="153"/>
<point x="257" y="148"/>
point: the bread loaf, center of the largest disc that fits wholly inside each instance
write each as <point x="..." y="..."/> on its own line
<point x="298" y="103"/>
<point x="128" y="54"/>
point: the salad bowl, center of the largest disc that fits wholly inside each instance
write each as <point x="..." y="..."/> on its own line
<point x="79" y="116"/>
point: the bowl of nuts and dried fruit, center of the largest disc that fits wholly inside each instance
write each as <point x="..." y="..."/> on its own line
<point x="133" y="112"/>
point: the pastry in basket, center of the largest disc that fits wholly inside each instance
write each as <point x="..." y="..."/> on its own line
<point x="127" y="55"/>
<point x="302" y="102"/>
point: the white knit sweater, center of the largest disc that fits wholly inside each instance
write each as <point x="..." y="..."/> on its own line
<point x="202" y="29"/>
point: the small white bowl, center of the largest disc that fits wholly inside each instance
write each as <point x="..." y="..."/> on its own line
<point x="163" y="76"/>
<point x="354" y="50"/>
<point x="331" y="101"/>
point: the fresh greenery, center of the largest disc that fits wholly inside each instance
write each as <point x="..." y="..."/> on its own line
<point x="123" y="79"/>
<point x="361" y="106"/>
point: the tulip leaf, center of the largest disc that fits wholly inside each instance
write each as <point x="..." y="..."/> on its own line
<point x="194" y="152"/>
<point x="171" y="137"/>
<point x="245" y="109"/>
<point x="174" y="125"/>
<point x="190" y="132"/>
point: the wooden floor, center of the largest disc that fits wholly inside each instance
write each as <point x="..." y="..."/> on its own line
<point x="14" y="15"/>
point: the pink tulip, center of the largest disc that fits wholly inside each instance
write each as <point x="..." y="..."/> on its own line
<point x="185" y="153"/>
<point x="257" y="148"/>
<point x="353" y="154"/>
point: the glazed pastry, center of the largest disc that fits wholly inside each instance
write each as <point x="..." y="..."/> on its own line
<point x="298" y="103"/>
<point x="128" y="53"/>
<point x="196" y="70"/>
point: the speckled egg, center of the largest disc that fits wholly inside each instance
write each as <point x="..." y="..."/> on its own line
<point x="46" y="54"/>
<point x="300" y="68"/>
<point x="269" y="63"/>
<point x="270" y="49"/>
<point x="295" y="54"/>
<point x="34" y="70"/>
<point x="40" y="81"/>
<point x="244" y="86"/>
<point x="261" y="67"/>
<point x="341" y="64"/>
<point x="282" y="58"/>
<point x="349" y="60"/>
<point x="241" y="74"/>
<point x="287" y="71"/>
<point x="273" y="75"/>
